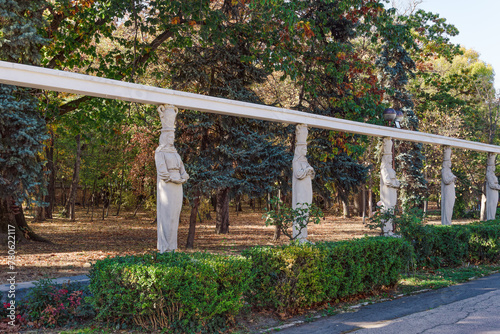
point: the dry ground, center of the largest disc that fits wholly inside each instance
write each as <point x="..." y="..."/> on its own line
<point x="79" y="243"/>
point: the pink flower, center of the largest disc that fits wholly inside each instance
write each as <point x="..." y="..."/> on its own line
<point x="6" y="305"/>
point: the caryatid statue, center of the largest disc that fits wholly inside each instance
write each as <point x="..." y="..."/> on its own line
<point x="490" y="195"/>
<point x="303" y="174"/>
<point x="170" y="177"/>
<point x="447" y="188"/>
<point x="389" y="184"/>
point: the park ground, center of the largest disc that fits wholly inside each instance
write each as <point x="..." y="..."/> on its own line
<point x="77" y="244"/>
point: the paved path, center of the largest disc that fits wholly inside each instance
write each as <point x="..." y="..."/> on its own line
<point x="472" y="307"/>
<point x="22" y="288"/>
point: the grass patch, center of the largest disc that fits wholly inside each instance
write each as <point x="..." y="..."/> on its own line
<point x="443" y="277"/>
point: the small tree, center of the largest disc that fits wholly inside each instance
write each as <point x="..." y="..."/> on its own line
<point x="284" y="217"/>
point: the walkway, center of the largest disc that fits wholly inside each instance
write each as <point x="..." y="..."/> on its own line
<point x="472" y="307"/>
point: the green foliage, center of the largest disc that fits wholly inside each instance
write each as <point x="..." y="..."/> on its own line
<point x="284" y="217"/>
<point x="188" y="293"/>
<point x="380" y="217"/>
<point x="440" y="246"/>
<point x="22" y="130"/>
<point x="294" y="277"/>
<point x="49" y="304"/>
<point x="408" y="218"/>
<point x="20" y="40"/>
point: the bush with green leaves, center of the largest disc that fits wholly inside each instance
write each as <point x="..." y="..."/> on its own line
<point x="297" y="276"/>
<point x="284" y="217"/>
<point x="440" y="245"/>
<point x="187" y="293"/>
<point x="49" y="304"/>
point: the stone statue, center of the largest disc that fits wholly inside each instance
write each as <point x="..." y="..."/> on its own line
<point x="490" y="195"/>
<point x="303" y="174"/>
<point x="447" y="188"/>
<point x="170" y="177"/>
<point x="389" y="184"/>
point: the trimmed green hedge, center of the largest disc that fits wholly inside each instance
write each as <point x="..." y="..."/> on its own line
<point x="438" y="245"/>
<point x="188" y="293"/>
<point x="289" y="278"/>
<point x="202" y="293"/>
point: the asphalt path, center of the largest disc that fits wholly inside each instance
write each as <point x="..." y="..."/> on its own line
<point x="472" y="307"/>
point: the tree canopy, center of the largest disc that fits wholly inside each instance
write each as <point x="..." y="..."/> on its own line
<point x="340" y="58"/>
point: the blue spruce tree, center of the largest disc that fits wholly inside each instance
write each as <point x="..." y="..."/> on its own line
<point x="22" y="130"/>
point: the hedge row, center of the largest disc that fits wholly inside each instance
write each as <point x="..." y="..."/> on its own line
<point x="200" y="292"/>
<point x="289" y="278"/>
<point x="437" y="245"/>
<point x="187" y="293"/>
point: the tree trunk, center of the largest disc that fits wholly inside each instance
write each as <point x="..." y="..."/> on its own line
<point x="358" y="202"/>
<point x="84" y="197"/>
<point x="12" y="219"/>
<point x="70" y="204"/>
<point x="120" y="195"/>
<point x="40" y="214"/>
<point x="370" y="197"/>
<point x="363" y="207"/>
<point x="277" y="230"/>
<point x="63" y="192"/>
<point x="222" y="219"/>
<point x="50" y="198"/>
<point x="237" y="202"/>
<point x="192" y="222"/>
<point x="345" y="206"/>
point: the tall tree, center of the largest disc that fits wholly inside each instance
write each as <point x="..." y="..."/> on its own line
<point x="233" y="154"/>
<point x="22" y="130"/>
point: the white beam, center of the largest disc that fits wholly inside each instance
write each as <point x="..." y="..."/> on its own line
<point x="81" y="84"/>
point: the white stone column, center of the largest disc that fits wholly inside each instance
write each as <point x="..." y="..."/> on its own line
<point x="447" y="188"/>
<point x="170" y="177"/>
<point x="489" y="199"/>
<point x="303" y="174"/>
<point x="389" y="184"/>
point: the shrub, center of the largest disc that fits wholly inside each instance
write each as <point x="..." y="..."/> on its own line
<point x="437" y="245"/>
<point x="484" y="242"/>
<point x="49" y="304"/>
<point x="186" y="293"/>
<point x="296" y="276"/>
<point x="285" y="217"/>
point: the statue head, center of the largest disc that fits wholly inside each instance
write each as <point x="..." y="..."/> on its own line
<point x="167" y="114"/>
<point x="300" y="151"/>
<point x="301" y="134"/>
<point x="387" y="160"/>
<point x="447" y="164"/>
<point x="491" y="159"/>
<point x="167" y="138"/>
<point x="387" y="146"/>
<point x="447" y="153"/>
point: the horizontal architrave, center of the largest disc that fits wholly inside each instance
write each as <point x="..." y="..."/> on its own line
<point x="81" y="84"/>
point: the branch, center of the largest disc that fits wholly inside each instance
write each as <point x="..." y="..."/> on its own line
<point x="154" y="45"/>
<point x="61" y="55"/>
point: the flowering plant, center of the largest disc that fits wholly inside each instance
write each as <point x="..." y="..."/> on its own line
<point x="50" y="305"/>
